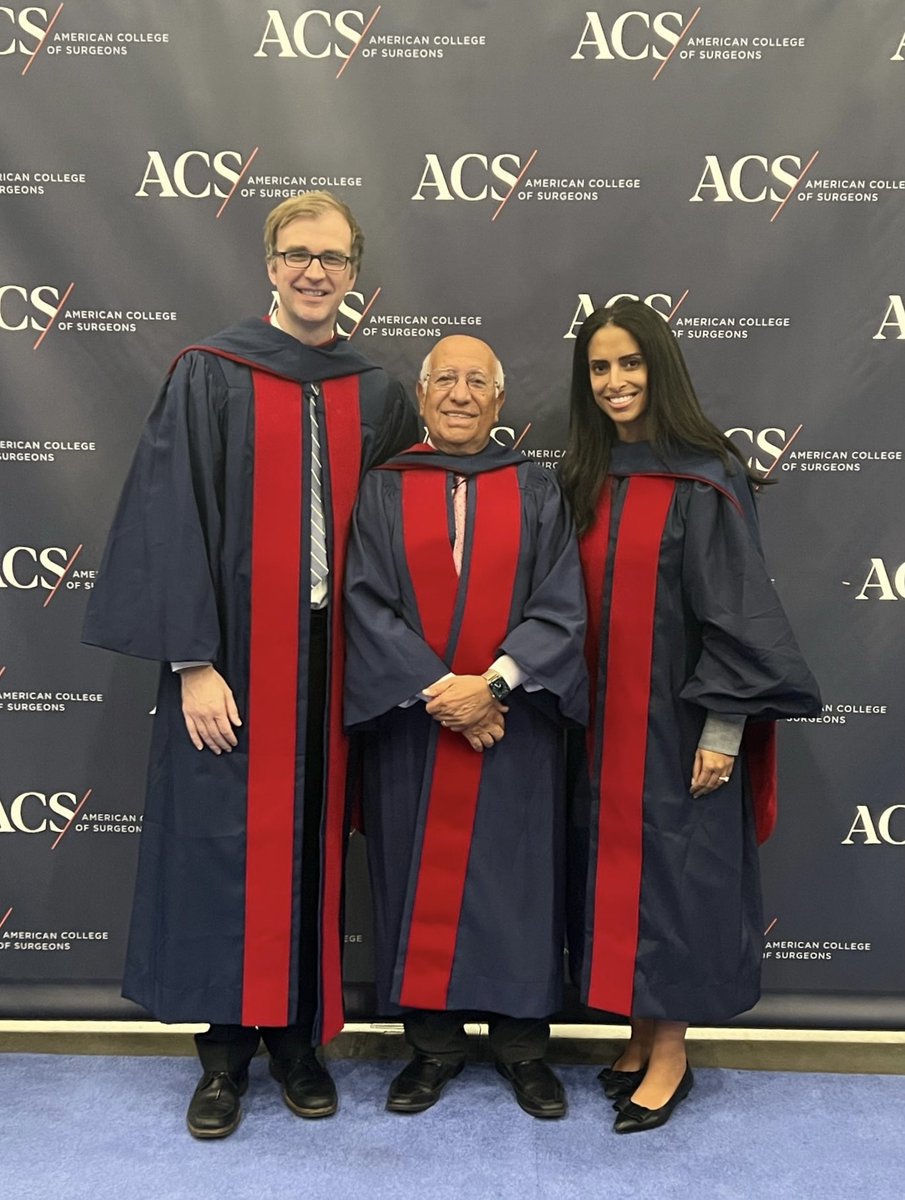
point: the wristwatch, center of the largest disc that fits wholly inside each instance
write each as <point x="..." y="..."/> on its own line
<point x="499" y="688"/>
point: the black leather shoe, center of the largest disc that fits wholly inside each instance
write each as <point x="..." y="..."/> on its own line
<point x="419" y="1084"/>
<point x="536" y="1088"/>
<point x="214" y="1109"/>
<point x="619" y="1085"/>
<point x="635" y="1118"/>
<point x="308" y="1088"/>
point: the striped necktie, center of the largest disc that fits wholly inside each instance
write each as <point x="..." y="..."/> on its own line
<point x="319" y="568"/>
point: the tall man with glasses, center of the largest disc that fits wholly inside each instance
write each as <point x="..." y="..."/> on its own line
<point x="225" y="563"/>
<point x="465" y="662"/>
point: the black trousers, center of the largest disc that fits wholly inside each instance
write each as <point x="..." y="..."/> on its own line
<point x="441" y="1034"/>
<point x="232" y="1047"/>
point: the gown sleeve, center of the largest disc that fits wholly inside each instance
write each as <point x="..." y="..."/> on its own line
<point x="387" y="660"/>
<point x="399" y="427"/>
<point x="749" y="661"/>
<point x="155" y="596"/>
<point x="548" y="641"/>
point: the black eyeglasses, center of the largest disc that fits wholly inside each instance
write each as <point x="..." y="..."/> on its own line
<point x="330" y="260"/>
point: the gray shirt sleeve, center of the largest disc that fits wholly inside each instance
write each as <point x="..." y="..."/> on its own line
<point x="722" y="733"/>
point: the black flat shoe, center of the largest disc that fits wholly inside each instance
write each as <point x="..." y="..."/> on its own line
<point x="635" y="1118"/>
<point x="308" y="1088"/>
<point x="619" y="1085"/>
<point x="419" y="1085"/>
<point x="537" y="1089"/>
<point x="214" y="1110"/>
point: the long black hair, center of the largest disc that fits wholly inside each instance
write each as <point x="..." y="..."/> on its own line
<point x="674" y="415"/>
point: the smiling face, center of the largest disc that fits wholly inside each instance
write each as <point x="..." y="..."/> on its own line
<point x="459" y="415"/>
<point x="310" y="297"/>
<point x="618" y="375"/>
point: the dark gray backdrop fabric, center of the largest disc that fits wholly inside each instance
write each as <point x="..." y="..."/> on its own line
<point x="737" y="165"/>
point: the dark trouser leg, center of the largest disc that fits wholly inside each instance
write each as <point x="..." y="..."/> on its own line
<point x="517" y="1039"/>
<point x="439" y="1034"/>
<point x="227" y="1047"/>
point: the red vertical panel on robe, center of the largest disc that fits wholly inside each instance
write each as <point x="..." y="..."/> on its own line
<point x="342" y="417"/>
<point x="625" y="718"/>
<point x="272" y="699"/>
<point x="446" y="842"/>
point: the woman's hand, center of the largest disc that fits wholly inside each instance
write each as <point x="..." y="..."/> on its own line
<point x="711" y="771"/>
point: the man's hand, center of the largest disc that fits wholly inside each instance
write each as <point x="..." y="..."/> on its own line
<point x="487" y="732"/>
<point x="711" y="770"/>
<point x="209" y="709"/>
<point x="461" y="701"/>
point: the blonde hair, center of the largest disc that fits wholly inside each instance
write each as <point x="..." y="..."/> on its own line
<point x="311" y="204"/>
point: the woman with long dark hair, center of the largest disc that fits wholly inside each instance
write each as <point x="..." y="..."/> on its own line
<point x="692" y="659"/>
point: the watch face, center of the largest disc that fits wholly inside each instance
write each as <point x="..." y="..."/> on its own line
<point x="499" y="687"/>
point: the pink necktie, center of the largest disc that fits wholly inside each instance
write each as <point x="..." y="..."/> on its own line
<point x="459" y="499"/>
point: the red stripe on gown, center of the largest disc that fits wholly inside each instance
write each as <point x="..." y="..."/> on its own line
<point x="456" y="776"/>
<point x="625" y="719"/>
<point x="342" y="419"/>
<point x="272" y="699"/>
<point x="759" y="746"/>
<point x="593" y="548"/>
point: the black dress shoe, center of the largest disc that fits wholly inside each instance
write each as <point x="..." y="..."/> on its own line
<point x="308" y="1088"/>
<point x="619" y="1085"/>
<point x="536" y="1088"/>
<point x="419" y="1084"/>
<point x="214" y="1109"/>
<point x="635" y="1118"/>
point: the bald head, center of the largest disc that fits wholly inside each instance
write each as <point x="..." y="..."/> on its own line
<point x="460" y="394"/>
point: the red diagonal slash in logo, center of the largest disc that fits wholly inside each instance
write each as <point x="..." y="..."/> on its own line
<point x="795" y="185"/>
<point x="50" y="324"/>
<point x="783" y="450"/>
<point x="354" y="49"/>
<point x="693" y="17"/>
<point x="65" y="828"/>
<point x="37" y="48"/>
<point x="521" y="176"/>
<point x="6" y="916"/>
<point x="238" y="181"/>
<point x="2" y="672"/>
<point x="677" y="305"/>
<point x="770" y="926"/>
<point x="521" y="437"/>
<point x="367" y="309"/>
<point x="75" y="554"/>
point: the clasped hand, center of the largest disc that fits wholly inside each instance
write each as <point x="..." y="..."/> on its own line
<point x="464" y="704"/>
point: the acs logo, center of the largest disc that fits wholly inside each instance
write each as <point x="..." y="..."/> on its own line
<point x="631" y="36"/>
<point x="470" y="177"/>
<point x="750" y="179"/>
<point x="20" y="305"/>
<point x="586" y="306"/>
<point x="872" y="832"/>
<point x="22" y="22"/>
<point x="310" y="34"/>
<point x="194" y="174"/>
<point x="34" y="812"/>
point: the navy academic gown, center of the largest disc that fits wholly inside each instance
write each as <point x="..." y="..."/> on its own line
<point x="469" y="910"/>
<point x="683" y="620"/>
<point x="208" y="559"/>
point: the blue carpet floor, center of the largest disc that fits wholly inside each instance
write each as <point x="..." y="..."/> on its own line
<point x="87" y="1128"/>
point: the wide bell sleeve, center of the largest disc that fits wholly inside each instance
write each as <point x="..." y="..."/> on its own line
<point x="155" y="596"/>
<point x="548" y="640"/>
<point x="749" y="661"/>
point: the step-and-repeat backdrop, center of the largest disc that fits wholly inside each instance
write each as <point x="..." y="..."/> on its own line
<point x="736" y="164"/>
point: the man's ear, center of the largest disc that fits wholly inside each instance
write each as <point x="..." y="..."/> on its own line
<point x="501" y="396"/>
<point x="421" y="394"/>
